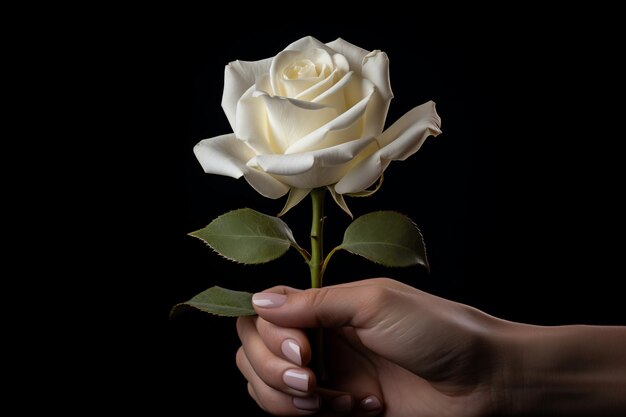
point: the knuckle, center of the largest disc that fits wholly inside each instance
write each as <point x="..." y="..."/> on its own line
<point x="375" y="298"/>
<point x="387" y="282"/>
<point x="379" y="295"/>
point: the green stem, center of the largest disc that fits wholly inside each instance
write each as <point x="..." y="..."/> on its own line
<point x="317" y="272"/>
<point x="317" y="237"/>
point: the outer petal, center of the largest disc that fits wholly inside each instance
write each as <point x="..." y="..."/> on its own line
<point x="324" y="167"/>
<point x="407" y="135"/>
<point x="265" y="184"/>
<point x="227" y="155"/>
<point x="398" y="142"/>
<point x="362" y="175"/>
<point x="223" y="155"/>
<point x="238" y="77"/>
<point x="298" y="163"/>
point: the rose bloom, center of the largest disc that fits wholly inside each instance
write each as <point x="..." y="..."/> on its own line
<point x="313" y="116"/>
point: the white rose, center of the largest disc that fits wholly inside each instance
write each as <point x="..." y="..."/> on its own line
<point x="313" y="116"/>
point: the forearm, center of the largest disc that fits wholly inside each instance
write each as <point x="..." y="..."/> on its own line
<point x="563" y="370"/>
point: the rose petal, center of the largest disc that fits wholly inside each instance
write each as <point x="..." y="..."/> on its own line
<point x="223" y="155"/>
<point x="376" y="70"/>
<point x="319" y="93"/>
<point x="335" y="96"/>
<point x="264" y="85"/>
<point x="362" y="175"/>
<point x="290" y="120"/>
<point x="238" y="77"/>
<point x="265" y="184"/>
<point x="407" y="134"/>
<point x="299" y="163"/>
<point x="398" y="142"/>
<point x="374" y="67"/>
<point x="353" y="53"/>
<point x="310" y="93"/>
<point x="341" y="63"/>
<point x="285" y="59"/>
<point x="306" y="43"/>
<point x="343" y="128"/>
<point x="283" y="164"/>
<point x="227" y="155"/>
<point x="251" y="125"/>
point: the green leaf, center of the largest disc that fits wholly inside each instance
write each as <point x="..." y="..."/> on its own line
<point x="247" y="236"/>
<point x="219" y="301"/>
<point x="386" y="237"/>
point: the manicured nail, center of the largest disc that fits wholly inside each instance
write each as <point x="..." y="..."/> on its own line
<point x="268" y="299"/>
<point x="291" y="350"/>
<point x="342" y="404"/>
<point x="306" y="403"/>
<point x="370" y="403"/>
<point x="296" y="379"/>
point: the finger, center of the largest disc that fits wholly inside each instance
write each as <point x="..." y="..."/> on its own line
<point x="358" y="376"/>
<point x="362" y="305"/>
<point x="271" y="400"/>
<point x="273" y="370"/>
<point x="290" y="344"/>
<point x="255" y="397"/>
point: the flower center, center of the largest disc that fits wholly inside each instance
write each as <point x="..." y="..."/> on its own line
<point x="303" y="68"/>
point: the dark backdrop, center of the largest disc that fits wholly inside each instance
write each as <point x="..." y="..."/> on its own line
<point x="519" y="199"/>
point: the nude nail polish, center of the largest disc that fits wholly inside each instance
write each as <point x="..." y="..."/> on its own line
<point x="370" y="403"/>
<point x="296" y="379"/>
<point x="291" y="350"/>
<point x="268" y="299"/>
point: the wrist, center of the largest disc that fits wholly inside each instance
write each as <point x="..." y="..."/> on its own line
<point x="561" y="370"/>
<point x="505" y="351"/>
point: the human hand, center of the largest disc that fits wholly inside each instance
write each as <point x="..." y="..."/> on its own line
<point x="391" y="350"/>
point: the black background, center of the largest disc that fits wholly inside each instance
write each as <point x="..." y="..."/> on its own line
<point x="519" y="199"/>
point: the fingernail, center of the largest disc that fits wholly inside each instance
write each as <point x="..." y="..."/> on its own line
<point x="291" y="350"/>
<point x="370" y="403"/>
<point x="342" y="404"/>
<point x="296" y="379"/>
<point x="306" y="403"/>
<point x="268" y="299"/>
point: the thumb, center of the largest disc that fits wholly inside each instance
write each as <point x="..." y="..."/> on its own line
<point x="336" y="306"/>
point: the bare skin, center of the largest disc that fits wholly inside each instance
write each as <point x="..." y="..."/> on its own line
<point x="396" y="351"/>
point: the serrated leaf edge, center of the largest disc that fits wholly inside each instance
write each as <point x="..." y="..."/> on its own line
<point x="289" y="232"/>
<point x="419" y="232"/>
